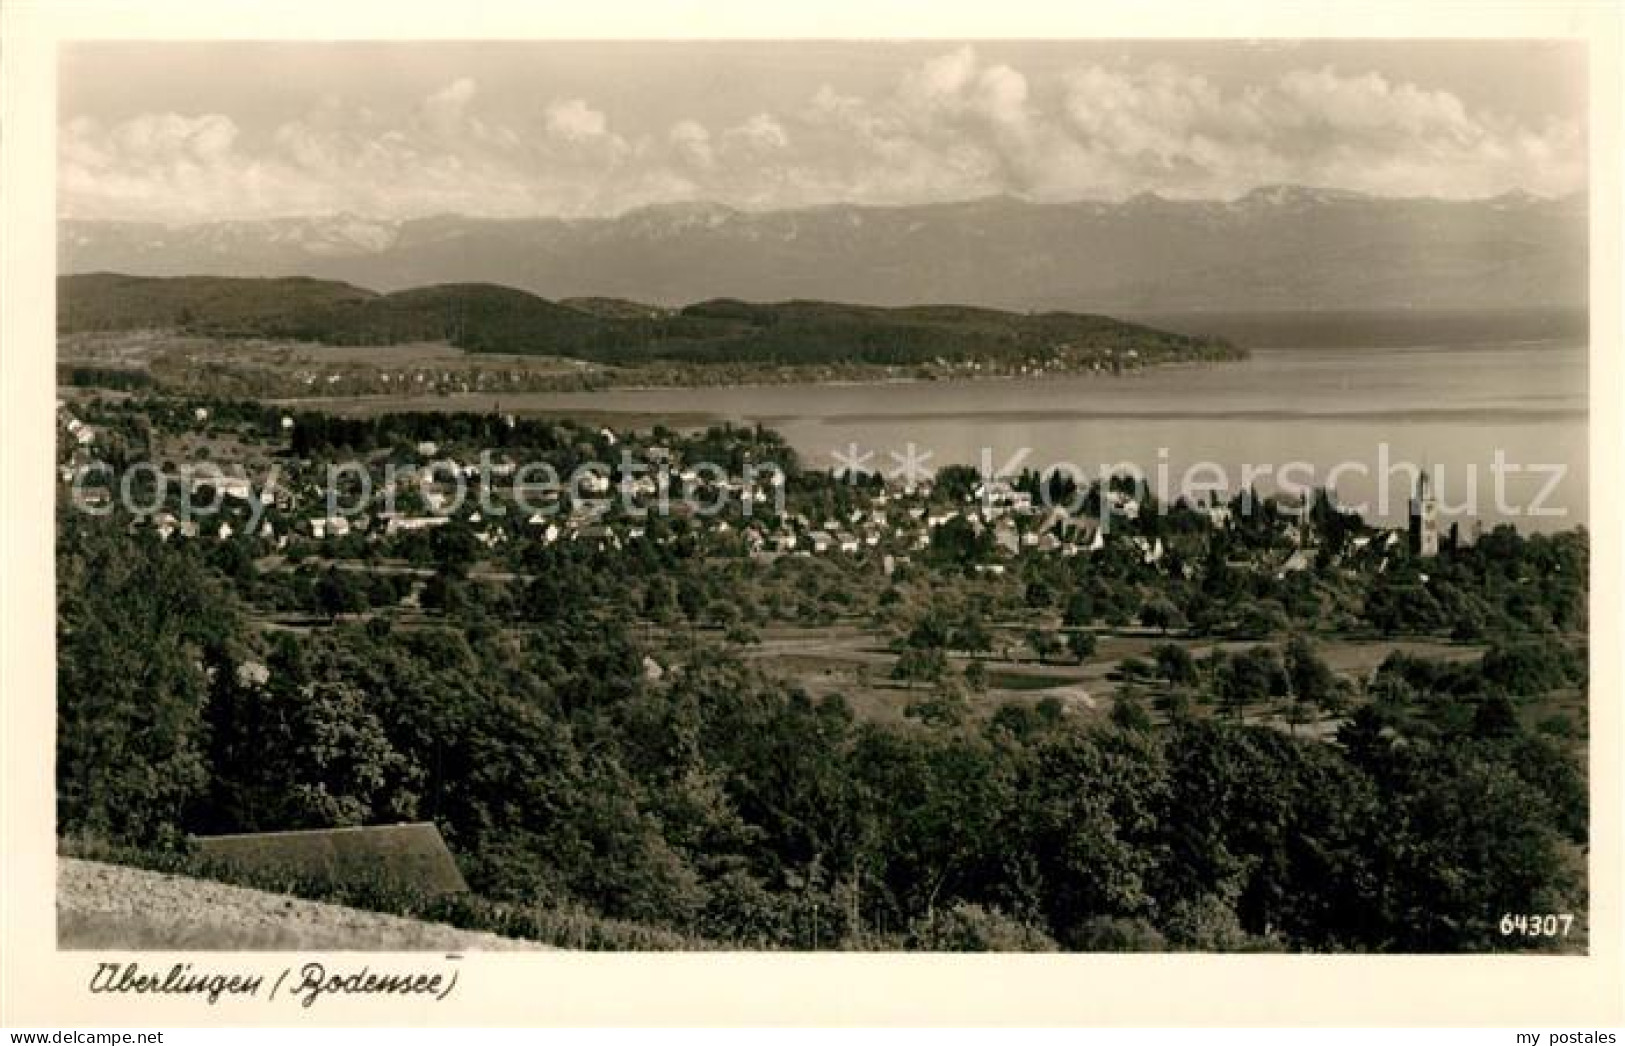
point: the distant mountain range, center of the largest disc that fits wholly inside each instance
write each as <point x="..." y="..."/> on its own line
<point x="1284" y="247"/>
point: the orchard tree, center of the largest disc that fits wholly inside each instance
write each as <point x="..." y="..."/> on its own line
<point x="1311" y="678"/>
<point x="1161" y="614"/>
<point x="1081" y="644"/>
<point x="920" y="665"/>
<point x="1175" y="664"/>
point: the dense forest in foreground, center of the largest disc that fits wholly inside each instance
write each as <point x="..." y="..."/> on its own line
<point x="715" y="804"/>
<point x="485" y="318"/>
<point x="726" y="808"/>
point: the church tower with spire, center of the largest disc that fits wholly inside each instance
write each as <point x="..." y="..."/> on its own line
<point x="1424" y="519"/>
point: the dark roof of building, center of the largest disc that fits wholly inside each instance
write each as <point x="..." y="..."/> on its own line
<point x="404" y="856"/>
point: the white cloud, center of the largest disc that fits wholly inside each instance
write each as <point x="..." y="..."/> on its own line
<point x="692" y="143"/>
<point x="1170" y="130"/>
<point x="952" y="127"/>
<point x="940" y="79"/>
<point x="574" y="120"/>
<point x="446" y="110"/>
<point x="1001" y="93"/>
<point x="761" y="133"/>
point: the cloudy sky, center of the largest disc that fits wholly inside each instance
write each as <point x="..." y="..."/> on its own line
<point x="187" y="132"/>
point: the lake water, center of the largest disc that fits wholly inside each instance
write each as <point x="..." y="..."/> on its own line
<point x="1351" y="417"/>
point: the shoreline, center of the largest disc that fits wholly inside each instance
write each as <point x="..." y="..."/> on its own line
<point x="829" y="383"/>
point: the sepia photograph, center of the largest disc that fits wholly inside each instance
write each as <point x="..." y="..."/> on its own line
<point x="893" y="496"/>
<point x="1103" y="496"/>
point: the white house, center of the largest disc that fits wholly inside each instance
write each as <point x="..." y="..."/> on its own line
<point x="405" y="523"/>
<point x="330" y="526"/>
<point x="239" y="487"/>
<point x="1005" y="536"/>
<point x="1300" y="560"/>
<point x="593" y="483"/>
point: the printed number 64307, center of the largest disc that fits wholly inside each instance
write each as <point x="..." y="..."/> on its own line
<point x="1547" y="925"/>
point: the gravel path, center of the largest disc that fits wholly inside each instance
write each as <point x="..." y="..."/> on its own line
<point x="105" y="906"/>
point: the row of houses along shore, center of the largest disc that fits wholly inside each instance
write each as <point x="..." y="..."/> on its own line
<point x="754" y="514"/>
